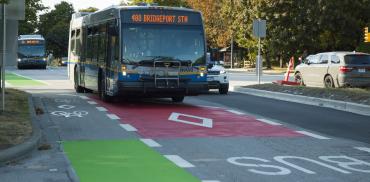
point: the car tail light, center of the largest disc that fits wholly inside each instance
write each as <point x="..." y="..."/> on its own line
<point x="345" y="69"/>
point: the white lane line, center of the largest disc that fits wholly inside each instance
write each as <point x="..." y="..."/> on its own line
<point x="101" y="109"/>
<point x="128" y="127"/>
<point x="179" y="161"/>
<point x="113" y="116"/>
<point x="8" y="84"/>
<point x="31" y="78"/>
<point x="84" y="97"/>
<point x="210" y="181"/>
<point x="92" y="102"/>
<point x="150" y="142"/>
<point x="236" y="112"/>
<point x="363" y="149"/>
<point x="313" y="135"/>
<point x="269" y="122"/>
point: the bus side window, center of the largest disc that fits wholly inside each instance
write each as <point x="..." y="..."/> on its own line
<point x="89" y="45"/>
<point x="73" y="39"/>
<point x="95" y="49"/>
<point x="102" y="43"/>
<point x="78" y="42"/>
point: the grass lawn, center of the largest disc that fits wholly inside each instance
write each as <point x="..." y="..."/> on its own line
<point x="15" y="122"/>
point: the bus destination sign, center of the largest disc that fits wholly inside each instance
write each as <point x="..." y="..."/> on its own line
<point x="167" y="19"/>
<point x="32" y="42"/>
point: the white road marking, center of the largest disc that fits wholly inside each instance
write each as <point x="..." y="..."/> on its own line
<point x="236" y="112"/>
<point x="67" y="95"/>
<point x="313" y="135"/>
<point x="179" y="161"/>
<point x="150" y="142"/>
<point x="31" y="78"/>
<point x="92" y="102"/>
<point x="113" y="116"/>
<point x="84" y="97"/>
<point x="210" y="181"/>
<point x="101" y="109"/>
<point x="206" y="122"/>
<point x="128" y="127"/>
<point x="8" y="84"/>
<point x="363" y="149"/>
<point x="269" y="122"/>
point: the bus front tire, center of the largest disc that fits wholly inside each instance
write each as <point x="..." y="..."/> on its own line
<point x="102" y="94"/>
<point x="78" y="88"/>
<point x="178" y="98"/>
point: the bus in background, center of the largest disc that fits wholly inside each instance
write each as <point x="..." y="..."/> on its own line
<point x="31" y="52"/>
<point x="149" y="51"/>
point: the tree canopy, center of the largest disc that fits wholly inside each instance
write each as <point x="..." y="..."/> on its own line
<point x="32" y="7"/>
<point x="89" y="10"/>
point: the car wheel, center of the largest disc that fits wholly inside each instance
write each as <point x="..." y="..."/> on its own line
<point x="298" y="78"/>
<point x="223" y="90"/>
<point x="329" y="82"/>
<point x="178" y="99"/>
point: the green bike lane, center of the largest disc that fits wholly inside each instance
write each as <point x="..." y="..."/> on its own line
<point x="17" y="80"/>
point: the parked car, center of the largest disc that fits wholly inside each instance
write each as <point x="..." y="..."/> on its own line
<point x="217" y="77"/>
<point x="335" y="69"/>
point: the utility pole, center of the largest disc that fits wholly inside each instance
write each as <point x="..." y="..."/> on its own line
<point x="232" y="35"/>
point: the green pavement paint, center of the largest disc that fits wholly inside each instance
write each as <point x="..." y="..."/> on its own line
<point x="16" y="80"/>
<point x="122" y="161"/>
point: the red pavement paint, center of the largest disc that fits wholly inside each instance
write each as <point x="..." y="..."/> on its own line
<point x="151" y="120"/>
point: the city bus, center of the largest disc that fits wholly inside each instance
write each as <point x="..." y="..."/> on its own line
<point x="148" y="51"/>
<point x="31" y="51"/>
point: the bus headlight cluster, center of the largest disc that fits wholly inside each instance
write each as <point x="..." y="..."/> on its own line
<point x="44" y="59"/>
<point x="19" y="59"/>
<point x="124" y="70"/>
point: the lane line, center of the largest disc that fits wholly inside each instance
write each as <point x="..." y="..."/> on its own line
<point x="7" y="84"/>
<point x="365" y="149"/>
<point x="210" y="181"/>
<point x="92" y="102"/>
<point x="150" y="142"/>
<point x="179" y="161"/>
<point x="113" y="116"/>
<point x="84" y="97"/>
<point x="128" y="127"/>
<point x="101" y="109"/>
<point x="313" y="135"/>
<point x="269" y="122"/>
<point x="236" y="112"/>
<point x="41" y="81"/>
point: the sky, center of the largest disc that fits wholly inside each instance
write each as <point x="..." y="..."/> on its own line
<point x="82" y="4"/>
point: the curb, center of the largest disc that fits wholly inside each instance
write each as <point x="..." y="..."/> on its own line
<point x="21" y="150"/>
<point x="338" y="105"/>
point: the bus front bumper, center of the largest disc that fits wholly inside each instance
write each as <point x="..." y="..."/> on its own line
<point x="150" y="89"/>
<point x="31" y="63"/>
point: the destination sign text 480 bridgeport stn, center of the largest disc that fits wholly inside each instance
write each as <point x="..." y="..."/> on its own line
<point x="151" y="18"/>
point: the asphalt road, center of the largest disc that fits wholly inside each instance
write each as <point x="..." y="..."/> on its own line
<point x="210" y="138"/>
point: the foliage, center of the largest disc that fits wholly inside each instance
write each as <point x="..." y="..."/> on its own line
<point x="4" y="1"/>
<point x="89" y="10"/>
<point x="32" y="7"/>
<point x="54" y="25"/>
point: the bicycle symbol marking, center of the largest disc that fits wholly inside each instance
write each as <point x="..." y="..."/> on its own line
<point x="79" y="114"/>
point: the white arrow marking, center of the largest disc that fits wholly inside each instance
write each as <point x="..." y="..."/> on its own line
<point x="206" y="122"/>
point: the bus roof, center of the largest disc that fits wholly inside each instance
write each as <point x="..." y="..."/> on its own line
<point x="33" y="37"/>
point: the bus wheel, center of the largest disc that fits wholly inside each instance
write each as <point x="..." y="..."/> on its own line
<point x="178" y="99"/>
<point x="102" y="94"/>
<point x="78" y="88"/>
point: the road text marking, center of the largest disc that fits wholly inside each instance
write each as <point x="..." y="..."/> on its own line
<point x="128" y="127"/>
<point x="150" y="142"/>
<point x="179" y="161"/>
<point x="313" y="135"/>
<point x="113" y="116"/>
<point x="269" y="122"/>
<point x="101" y="109"/>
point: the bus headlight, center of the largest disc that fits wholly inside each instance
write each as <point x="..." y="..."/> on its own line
<point x="44" y="59"/>
<point x="124" y="70"/>
<point x="19" y="59"/>
<point x="201" y="74"/>
<point x="222" y="72"/>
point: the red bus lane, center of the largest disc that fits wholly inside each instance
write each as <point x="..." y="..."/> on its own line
<point x="167" y="120"/>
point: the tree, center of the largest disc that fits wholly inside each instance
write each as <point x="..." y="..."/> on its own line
<point x="4" y="1"/>
<point x="89" y="10"/>
<point x="54" y="25"/>
<point x="29" y="25"/>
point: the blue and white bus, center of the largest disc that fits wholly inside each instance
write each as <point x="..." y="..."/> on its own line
<point x="149" y="51"/>
<point x="31" y="51"/>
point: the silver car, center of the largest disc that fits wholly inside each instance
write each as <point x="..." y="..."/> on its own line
<point x="335" y="69"/>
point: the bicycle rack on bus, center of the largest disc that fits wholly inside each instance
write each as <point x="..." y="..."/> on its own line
<point x="167" y="78"/>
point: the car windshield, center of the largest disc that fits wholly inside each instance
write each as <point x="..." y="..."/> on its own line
<point x="148" y="43"/>
<point x="357" y="59"/>
<point x="31" y="51"/>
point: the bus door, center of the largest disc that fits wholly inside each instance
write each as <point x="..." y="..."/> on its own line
<point x="112" y="63"/>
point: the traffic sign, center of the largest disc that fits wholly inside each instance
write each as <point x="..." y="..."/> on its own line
<point x="259" y="28"/>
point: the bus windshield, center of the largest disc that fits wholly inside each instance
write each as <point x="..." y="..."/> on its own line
<point x="148" y="43"/>
<point x="31" y="51"/>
